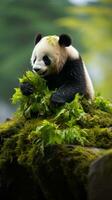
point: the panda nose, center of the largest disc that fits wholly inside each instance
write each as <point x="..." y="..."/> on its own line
<point x="36" y="69"/>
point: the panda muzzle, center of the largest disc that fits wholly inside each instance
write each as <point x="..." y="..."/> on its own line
<point x="40" y="71"/>
<point x="36" y="69"/>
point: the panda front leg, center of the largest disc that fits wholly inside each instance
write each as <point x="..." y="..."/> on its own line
<point x="65" y="93"/>
<point x="26" y="88"/>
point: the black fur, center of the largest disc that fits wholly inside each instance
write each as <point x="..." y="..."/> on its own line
<point x="68" y="82"/>
<point x="26" y="88"/>
<point x="38" y="38"/>
<point x="64" y="40"/>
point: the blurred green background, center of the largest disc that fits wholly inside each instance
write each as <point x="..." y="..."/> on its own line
<point x="87" y="22"/>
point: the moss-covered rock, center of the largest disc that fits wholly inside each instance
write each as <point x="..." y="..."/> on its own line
<point x="16" y="182"/>
<point x="58" y="173"/>
<point x="45" y="152"/>
<point x="62" y="171"/>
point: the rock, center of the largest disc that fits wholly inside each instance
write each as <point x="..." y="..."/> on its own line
<point x="100" y="178"/>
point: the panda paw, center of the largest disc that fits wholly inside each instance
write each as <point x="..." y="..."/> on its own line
<point x="57" y="100"/>
<point x="26" y="88"/>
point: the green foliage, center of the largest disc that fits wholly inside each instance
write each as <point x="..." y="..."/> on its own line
<point x="49" y="133"/>
<point x="38" y="102"/>
<point x="71" y="112"/>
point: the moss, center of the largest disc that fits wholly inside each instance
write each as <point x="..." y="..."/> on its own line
<point x="99" y="103"/>
<point x="104" y="138"/>
<point x="10" y="126"/>
<point x="99" y="118"/>
<point x="82" y="157"/>
<point x="99" y="137"/>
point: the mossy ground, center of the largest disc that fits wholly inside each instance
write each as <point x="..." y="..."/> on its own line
<point x="37" y="126"/>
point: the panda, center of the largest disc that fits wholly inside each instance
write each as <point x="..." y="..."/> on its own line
<point x="60" y="64"/>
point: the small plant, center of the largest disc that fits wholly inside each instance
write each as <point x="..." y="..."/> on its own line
<point x="49" y="133"/>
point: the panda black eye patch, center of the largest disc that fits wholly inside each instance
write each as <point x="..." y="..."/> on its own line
<point x="34" y="60"/>
<point x="46" y="60"/>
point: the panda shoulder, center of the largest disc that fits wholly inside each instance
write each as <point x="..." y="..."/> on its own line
<point x="72" y="52"/>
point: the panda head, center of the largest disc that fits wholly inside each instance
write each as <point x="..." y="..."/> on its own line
<point x="50" y="54"/>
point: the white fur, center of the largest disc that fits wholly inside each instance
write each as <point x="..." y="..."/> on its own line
<point x="49" y="46"/>
<point x="72" y="52"/>
<point x="89" y="85"/>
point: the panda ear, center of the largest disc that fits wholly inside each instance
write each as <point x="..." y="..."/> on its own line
<point x="38" y="38"/>
<point x="64" y="40"/>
